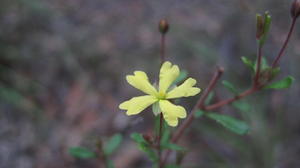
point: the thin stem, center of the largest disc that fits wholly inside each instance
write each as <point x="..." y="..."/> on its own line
<point x="159" y="139"/>
<point x="198" y="105"/>
<point x="258" y="65"/>
<point x="217" y="75"/>
<point x="162" y="48"/>
<point x="228" y="101"/>
<point x="276" y="61"/>
<point x="162" y="60"/>
<point x="256" y="87"/>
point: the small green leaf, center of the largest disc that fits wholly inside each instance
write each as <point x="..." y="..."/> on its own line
<point x="138" y="138"/>
<point x="183" y="75"/>
<point x="171" y="166"/>
<point x="112" y="144"/>
<point x="209" y="98"/>
<point x="199" y="113"/>
<point x="248" y="63"/>
<point x="264" y="65"/>
<point x="151" y="153"/>
<point x="80" y="152"/>
<point x="230" y="87"/>
<point x="233" y="124"/>
<point x="242" y="106"/>
<point x="144" y="146"/>
<point x="172" y="146"/>
<point x="156" y="109"/>
<point x="282" y="84"/>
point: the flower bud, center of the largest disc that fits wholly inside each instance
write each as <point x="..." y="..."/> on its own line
<point x="163" y="26"/>
<point x="295" y="9"/>
<point x="259" y="26"/>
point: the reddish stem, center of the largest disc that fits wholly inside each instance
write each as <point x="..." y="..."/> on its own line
<point x="162" y="60"/>
<point x="256" y="87"/>
<point x="190" y="118"/>
<point x="228" y="101"/>
<point x="198" y="105"/>
<point x="162" y="48"/>
<point x="276" y="61"/>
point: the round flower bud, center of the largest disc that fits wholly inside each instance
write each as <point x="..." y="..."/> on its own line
<point x="295" y="9"/>
<point x="163" y="26"/>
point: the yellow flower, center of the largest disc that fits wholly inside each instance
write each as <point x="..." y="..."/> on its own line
<point x="168" y="74"/>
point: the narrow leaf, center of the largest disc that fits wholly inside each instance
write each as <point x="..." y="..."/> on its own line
<point x="233" y="124"/>
<point x="173" y="147"/>
<point x="80" y="152"/>
<point x="112" y="144"/>
<point x="151" y="153"/>
<point x="144" y="146"/>
<point x="264" y="64"/>
<point x="248" y="63"/>
<point x="282" y="84"/>
<point x="138" y="138"/>
<point x="209" y="98"/>
<point x="230" y="87"/>
<point x="242" y="106"/>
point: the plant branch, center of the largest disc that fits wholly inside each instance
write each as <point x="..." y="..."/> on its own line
<point x="217" y="75"/>
<point x="280" y="54"/>
<point x="198" y="105"/>
<point x="230" y="100"/>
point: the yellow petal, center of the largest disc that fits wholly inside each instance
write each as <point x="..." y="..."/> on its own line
<point x="171" y="112"/>
<point x="137" y="104"/>
<point x="168" y="74"/>
<point x="140" y="81"/>
<point x="184" y="90"/>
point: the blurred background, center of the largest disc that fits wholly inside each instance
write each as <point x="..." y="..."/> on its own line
<point x="62" y="76"/>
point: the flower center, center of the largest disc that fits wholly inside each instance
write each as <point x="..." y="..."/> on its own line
<point x="161" y="95"/>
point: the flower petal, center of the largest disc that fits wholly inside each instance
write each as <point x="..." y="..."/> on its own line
<point x="137" y="104"/>
<point x="140" y="81"/>
<point x="184" y="90"/>
<point x="167" y="76"/>
<point x="171" y="112"/>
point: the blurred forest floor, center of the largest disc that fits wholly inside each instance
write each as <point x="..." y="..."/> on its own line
<point x="62" y="76"/>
